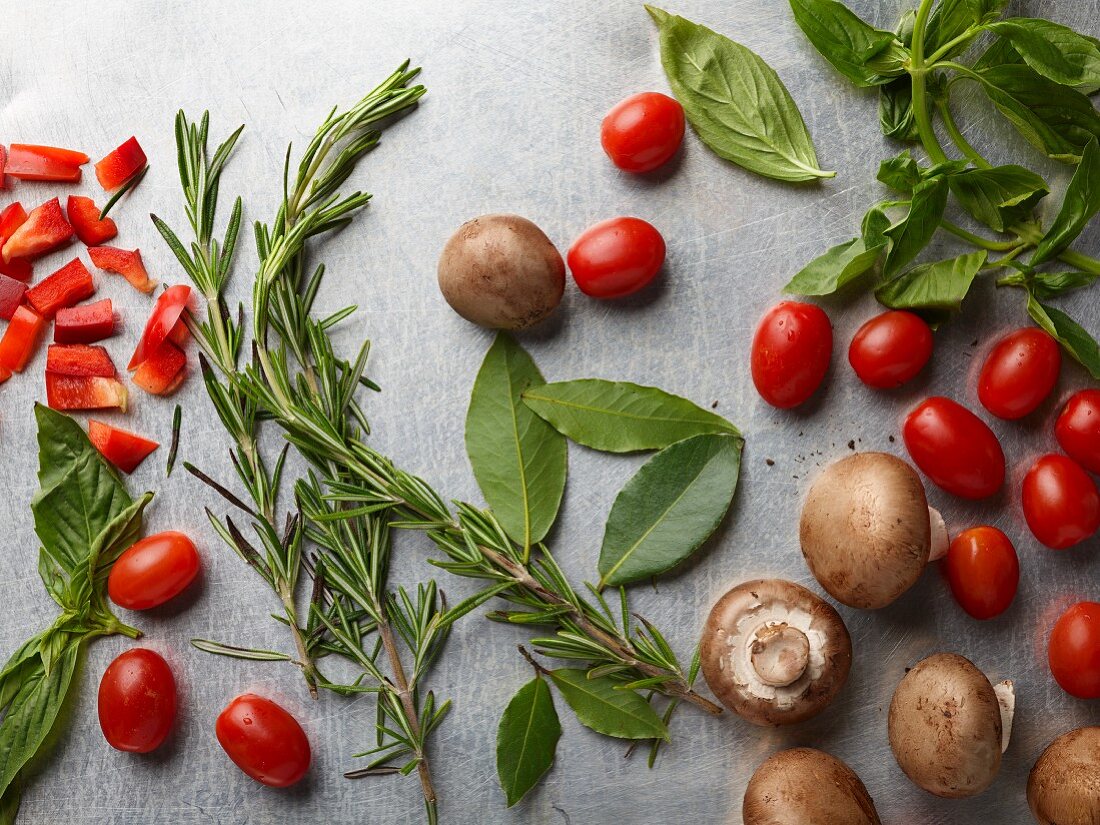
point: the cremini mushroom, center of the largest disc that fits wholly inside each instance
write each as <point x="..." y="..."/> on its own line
<point x="949" y="726"/>
<point x="867" y="531"/>
<point x="803" y="786"/>
<point x="1064" y="785"/>
<point x="774" y="653"/>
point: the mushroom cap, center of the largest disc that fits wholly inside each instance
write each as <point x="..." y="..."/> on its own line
<point x="1064" y="785"/>
<point x="945" y="727"/>
<point x="775" y="653"/>
<point x="803" y="786"/>
<point x="865" y="529"/>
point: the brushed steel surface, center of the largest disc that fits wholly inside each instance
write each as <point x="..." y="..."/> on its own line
<point x="516" y="93"/>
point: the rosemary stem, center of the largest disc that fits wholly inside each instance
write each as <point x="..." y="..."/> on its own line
<point x="305" y="661"/>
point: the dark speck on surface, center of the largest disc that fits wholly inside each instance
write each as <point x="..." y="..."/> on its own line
<point x="852" y="444"/>
<point x="770" y="462"/>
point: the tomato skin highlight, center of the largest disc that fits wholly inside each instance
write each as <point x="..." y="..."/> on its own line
<point x="983" y="571"/>
<point x="152" y="571"/>
<point x="1019" y="373"/>
<point x="890" y="349"/>
<point x="1073" y="651"/>
<point x="791" y="351"/>
<point x="264" y="741"/>
<point x="1061" y="502"/>
<point x="1078" y="429"/>
<point x="616" y="257"/>
<point x="954" y="448"/>
<point x="137" y="701"/>
<point x="643" y="132"/>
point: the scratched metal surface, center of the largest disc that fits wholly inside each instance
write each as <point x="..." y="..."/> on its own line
<point x="511" y="123"/>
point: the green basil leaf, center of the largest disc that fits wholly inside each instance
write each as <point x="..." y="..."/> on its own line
<point x="117" y="535"/>
<point x="9" y="802"/>
<point x="1046" y="285"/>
<point x="669" y="508"/>
<point x="895" y="110"/>
<point x="735" y="101"/>
<point x="849" y="43"/>
<point x="935" y="289"/>
<point x="1000" y="197"/>
<point x="1070" y="334"/>
<point x="518" y="459"/>
<point x="1054" y="51"/>
<point x="999" y="53"/>
<point x="619" y="417"/>
<point x="874" y="226"/>
<point x="952" y="19"/>
<point x="910" y="236"/>
<point x="602" y="706"/>
<point x="901" y="172"/>
<point x="1080" y="205"/>
<point x="836" y="268"/>
<point x="19" y="665"/>
<point x="526" y="739"/>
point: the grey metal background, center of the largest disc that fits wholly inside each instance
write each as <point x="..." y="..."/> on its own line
<point x="516" y="93"/>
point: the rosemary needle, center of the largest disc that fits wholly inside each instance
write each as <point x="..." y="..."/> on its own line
<point x="177" y="419"/>
<point x="122" y="190"/>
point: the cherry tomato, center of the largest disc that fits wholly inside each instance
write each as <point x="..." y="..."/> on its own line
<point x="1078" y="429"/>
<point x="154" y="570"/>
<point x="263" y="740"/>
<point x="617" y="257"/>
<point x="790" y="353"/>
<point x="1074" y="651"/>
<point x="890" y="349"/>
<point x="983" y="571"/>
<point x="1061" y="502"/>
<point x="955" y="448"/>
<point x="137" y="701"/>
<point x="643" y="132"/>
<point x="1019" y="372"/>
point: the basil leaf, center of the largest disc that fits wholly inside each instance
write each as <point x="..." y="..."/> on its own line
<point x="1080" y="205"/>
<point x="601" y="705"/>
<point x="848" y="42"/>
<point x="1071" y="335"/>
<point x="526" y="739"/>
<point x="952" y="19"/>
<point x="518" y="459"/>
<point x="669" y="508"/>
<point x="902" y="172"/>
<point x="619" y="417"/>
<point x="912" y="235"/>
<point x="10" y="801"/>
<point x="735" y="101"/>
<point x="1054" y="51"/>
<point x="117" y="536"/>
<point x="1000" y="197"/>
<point x="874" y="226"/>
<point x="935" y="289"/>
<point x="838" y="267"/>
<point x="895" y="110"/>
<point x="1046" y="285"/>
<point x="999" y="53"/>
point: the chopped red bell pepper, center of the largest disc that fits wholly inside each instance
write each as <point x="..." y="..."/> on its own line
<point x="29" y="162"/>
<point x="84" y="392"/>
<point x="166" y="313"/>
<point x="84" y="324"/>
<point x="180" y="335"/>
<point x="79" y="359"/>
<point x="11" y="296"/>
<point x="18" y="268"/>
<point x="3" y="178"/>
<point x="124" y="262"/>
<point x="44" y="229"/>
<point x="68" y="286"/>
<point x="84" y="216"/>
<point x="21" y="338"/>
<point x="163" y="370"/>
<point x="120" y="165"/>
<point x="13" y="216"/>
<point x="5" y="373"/>
<point x="124" y="449"/>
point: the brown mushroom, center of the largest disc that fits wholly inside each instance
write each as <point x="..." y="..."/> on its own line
<point x="948" y="726"/>
<point x="867" y="531"/>
<point x="1064" y="785"/>
<point x="803" y="786"/>
<point x="774" y="653"/>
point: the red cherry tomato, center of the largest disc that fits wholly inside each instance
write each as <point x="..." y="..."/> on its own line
<point x="617" y="257"/>
<point x="643" y="132"/>
<point x="263" y="740"/>
<point x="1019" y="373"/>
<point x="890" y="349"/>
<point x="791" y="352"/>
<point x="154" y="570"/>
<point x="983" y="571"/>
<point x="1061" y="502"/>
<point x="1074" y="651"/>
<point x="137" y="701"/>
<point x="955" y="448"/>
<point x="1078" y="429"/>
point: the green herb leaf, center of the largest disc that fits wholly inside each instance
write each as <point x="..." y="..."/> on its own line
<point x="619" y="417"/>
<point x="1046" y="285"/>
<point x="1054" y="51"/>
<point x="526" y="739"/>
<point x="601" y="705"/>
<point x="1000" y="197"/>
<point x="952" y="19"/>
<point x="836" y="268"/>
<point x="935" y="289"/>
<point x="895" y="110"/>
<point x="518" y="459"/>
<point x="865" y="55"/>
<point x="1080" y="205"/>
<point x="735" y="101"/>
<point x="910" y="236"/>
<point x="999" y="53"/>
<point x="669" y="508"/>
<point x="873" y="227"/>
<point x="901" y="172"/>
<point x="1070" y="334"/>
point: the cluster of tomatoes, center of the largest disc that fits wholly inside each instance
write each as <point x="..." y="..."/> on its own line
<point x="137" y="694"/>
<point x="791" y="353"/>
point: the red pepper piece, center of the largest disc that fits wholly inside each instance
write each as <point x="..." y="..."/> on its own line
<point x="13" y="216"/>
<point x="79" y="359"/>
<point x="5" y="373"/>
<point x="124" y="449"/>
<point x="21" y="338"/>
<point x="84" y="392"/>
<point x="68" y="286"/>
<point x="30" y="162"/>
<point x="124" y="262"/>
<point x="180" y="335"/>
<point x="84" y="216"/>
<point x="3" y="185"/>
<point x="11" y="296"/>
<point x="120" y="165"/>
<point x="166" y="313"/>
<point x="84" y="324"/>
<point x="44" y="229"/>
<point x="163" y="370"/>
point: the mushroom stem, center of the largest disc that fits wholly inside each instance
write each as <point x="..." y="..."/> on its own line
<point x="780" y="654"/>
<point x="940" y="539"/>
<point x="1006" y="700"/>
